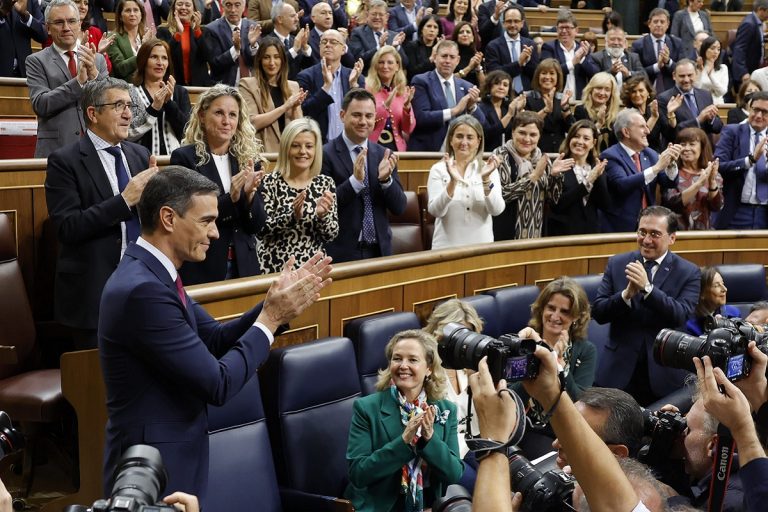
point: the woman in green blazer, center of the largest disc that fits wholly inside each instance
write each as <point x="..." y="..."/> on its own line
<point x="403" y="448"/>
<point x="560" y="318"/>
<point x="130" y="17"/>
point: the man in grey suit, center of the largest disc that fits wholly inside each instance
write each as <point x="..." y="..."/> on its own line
<point x="365" y="41"/>
<point x="615" y="59"/>
<point x="56" y="76"/>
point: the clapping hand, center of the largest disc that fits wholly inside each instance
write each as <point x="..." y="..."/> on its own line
<point x="358" y="169"/>
<point x="298" y="205"/>
<point x="597" y="171"/>
<point x="561" y="165"/>
<point x="357" y="70"/>
<point x="490" y="165"/>
<point x="325" y="203"/>
<point x="674" y="103"/>
<point x="450" y="166"/>
<point x="409" y="98"/>
<point x="387" y="165"/>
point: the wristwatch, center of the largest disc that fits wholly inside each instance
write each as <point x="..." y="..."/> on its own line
<point x="647" y="288"/>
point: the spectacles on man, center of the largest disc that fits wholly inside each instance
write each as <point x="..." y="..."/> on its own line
<point x="72" y="22"/>
<point x="641" y="233"/>
<point x="330" y="42"/>
<point x="119" y="106"/>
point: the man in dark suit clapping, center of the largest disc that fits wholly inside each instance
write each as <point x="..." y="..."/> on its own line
<point x="513" y="53"/>
<point x="367" y="184"/>
<point x="659" y="51"/>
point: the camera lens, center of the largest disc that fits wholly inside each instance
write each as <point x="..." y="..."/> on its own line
<point x="140" y="475"/>
<point x="461" y="347"/>
<point x="676" y="349"/>
<point x="522" y="473"/>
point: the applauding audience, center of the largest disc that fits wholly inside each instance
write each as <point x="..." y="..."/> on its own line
<point x="131" y="33"/>
<point x="184" y="36"/>
<point x="301" y="203"/>
<point x="394" y="117"/>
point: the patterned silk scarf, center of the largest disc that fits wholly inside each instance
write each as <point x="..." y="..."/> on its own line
<point x="415" y="472"/>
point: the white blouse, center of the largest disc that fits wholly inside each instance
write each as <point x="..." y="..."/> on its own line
<point x="465" y="218"/>
<point x="715" y="82"/>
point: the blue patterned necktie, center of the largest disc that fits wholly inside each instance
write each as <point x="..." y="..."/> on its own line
<point x="691" y="102"/>
<point x="132" y="229"/>
<point x="369" y="228"/>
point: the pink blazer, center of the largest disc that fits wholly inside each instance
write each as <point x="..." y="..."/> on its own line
<point x="402" y="124"/>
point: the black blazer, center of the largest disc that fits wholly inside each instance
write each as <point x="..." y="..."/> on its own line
<point x="417" y="54"/>
<point x="570" y="216"/>
<point x="86" y="215"/>
<point x="198" y="58"/>
<point x="644" y="48"/>
<point x="15" y="39"/>
<point x="338" y="165"/>
<point x="175" y="112"/>
<point x="555" y="126"/>
<point x="497" y="56"/>
<point x="493" y="129"/>
<point x="237" y="223"/>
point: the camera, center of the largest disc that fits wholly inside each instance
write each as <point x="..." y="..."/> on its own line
<point x="140" y="478"/>
<point x="509" y="357"/>
<point x="663" y="428"/>
<point x="725" y="344"/>
<point x="11" y="440"/>
<point x="548" y="491"/>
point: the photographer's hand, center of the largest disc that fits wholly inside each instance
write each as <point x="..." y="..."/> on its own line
<point x="496" y="409"/>
<point x="183" y="501"/>
<point x="755" y="386"/>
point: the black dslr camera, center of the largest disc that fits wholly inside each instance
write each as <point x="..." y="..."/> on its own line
<point x="725" y="343"/>
<point x="547" y="491"/>
<point x="509" y="357"/>
<point x="140" y="479"/>
<point x="664" y="429"/>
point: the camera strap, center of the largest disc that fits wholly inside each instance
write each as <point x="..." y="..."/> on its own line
<point x="721" y="469"/>
<point x="484" y="447"/>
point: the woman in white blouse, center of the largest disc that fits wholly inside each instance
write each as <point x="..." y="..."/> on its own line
<point x="464" y="193"/>
<point x="712" y="73"/>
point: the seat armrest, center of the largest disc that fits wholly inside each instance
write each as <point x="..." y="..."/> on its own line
<point x="9" y="354"/>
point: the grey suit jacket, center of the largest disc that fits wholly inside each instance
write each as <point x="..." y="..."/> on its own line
<point x="601" y="61"/>
<point x="55" y="97"/>
<point x="682" y="27"/>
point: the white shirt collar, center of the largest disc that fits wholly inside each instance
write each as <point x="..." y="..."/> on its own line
<point x="161" y="257"/>
<point x="351" y="145"/>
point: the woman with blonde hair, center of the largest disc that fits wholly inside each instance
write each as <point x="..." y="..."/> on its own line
<point x="130" y="18"/>
<point x="185" y="36"/>
<point x="464" y="194"/>
<point x="221" y="144"/>
<point x="601" y="105"/>
<point x="300" y="202"/>
<point x="273" y="100"/>
<point x="395" y="120"/>
<point x="403" y="450"/>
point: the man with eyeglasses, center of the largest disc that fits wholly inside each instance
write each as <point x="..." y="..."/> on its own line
<point x="641" y="293"/>
<point x="742" y="153"/>
<point x="365" y="41"/>
<point x="513" y="53"/>
<point x="570" y="54"/>
<point x="323" y="18"/>
<point x="232" y="42"/>
<point x="91" y="188"/>
<point x="20" y="22"/>
<point x="56" y="76"/>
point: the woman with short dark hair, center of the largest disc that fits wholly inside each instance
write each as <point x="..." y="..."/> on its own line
<point x="418" y="52"/>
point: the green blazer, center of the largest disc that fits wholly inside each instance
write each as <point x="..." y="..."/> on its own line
<point x="122" y="57"/>
<point x="376" y="453"/>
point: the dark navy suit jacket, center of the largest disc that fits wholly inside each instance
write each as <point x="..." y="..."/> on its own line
<point x="627" y="186"/>
<point x="163" y="363"/>
<point x="685" y="118"/>
<point x="497" y="56"/>
<point x="362" y="44"/>
<point x="552" y="50"/>
<point x="347" y="60"/>
<point x="316" y="104"/>
<point x="398" y="22"/>
<point x="338" y="165"/>
<point x="218" y="38"/>
<point x="490" y="31"/>
<point x="339" y="15"/>
<point x="86" y="215"/>
<point x="634" y="328"/>
<point x="428" y="105"/>
<point x="15" y="39"/>
<point x="96" y="8"/>
<point x="644" y="48"/>
<point x="747" y="47"/>
<point x="237" y="223"/>
<point x="732" y="149"/>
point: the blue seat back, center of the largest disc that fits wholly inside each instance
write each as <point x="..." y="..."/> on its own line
<point x="514" y="306"/>
<point x="370" y="336"/>
<point x="310" y="392"/>
<point x="486" y="308"/>
<point x="590" y="283"/>
<point x="745" y="283"/>
<point x="241" y="470"/>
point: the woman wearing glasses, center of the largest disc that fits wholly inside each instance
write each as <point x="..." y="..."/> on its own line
<point x="221" y="144"/>
<point x="273" y="101"/>
<point x="131" y="33"/>
<point x="712" y="301"/>
<point x="162" y="106"/>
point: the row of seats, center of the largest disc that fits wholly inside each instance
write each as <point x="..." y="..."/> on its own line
<point x="294" y="437"/>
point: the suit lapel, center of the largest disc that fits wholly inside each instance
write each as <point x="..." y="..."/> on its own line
<point x="157" y="268"/>
<point x="58" y="62"/>
<point x="92" y="165"/>
<point x="343" y="155"/>
<point x="135" y="165"/>
<point x="665" y="269"/>
<point x="390" y="416"/>
<point x="744" y="141"/>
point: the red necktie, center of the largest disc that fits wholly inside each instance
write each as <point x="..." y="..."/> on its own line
<point x="636" y="159"/>
<point x="180" y="290"/>
<point x="72" y="65"/>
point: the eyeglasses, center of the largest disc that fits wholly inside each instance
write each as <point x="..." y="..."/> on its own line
<point x="330" y="42"/>
<point x="641" y="233"/>
<point x="760" y="111"/>
<point x="565" y="28"/>
<point x="72" y="22"/>
<point x="119" y="106"/>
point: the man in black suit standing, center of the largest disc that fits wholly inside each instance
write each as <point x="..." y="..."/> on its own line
<point x="322" y="19"/>
<point x="697" y="109"/>
<point x="569" y="53"/>
<point x="285" y="21"/>
<point x="748" y="47"/>
<point x="659" y="51"/>
<point x="365" y="41"/>
<point x="513" y="53"/>
<point x="20" y="21"/>
<point x="91" y="188"/>
<point x="367" y="185"/>
<point x="231" y="42"/>
<point x="615" y="59"/>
